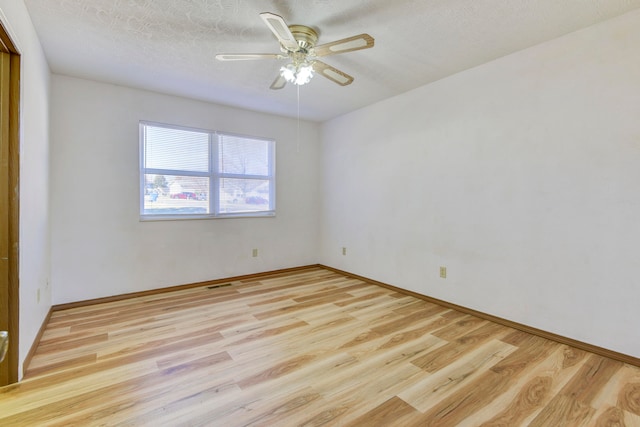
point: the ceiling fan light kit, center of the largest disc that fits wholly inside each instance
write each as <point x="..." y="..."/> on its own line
<point x="298" y="74"/>
<point x="298" y="44"/>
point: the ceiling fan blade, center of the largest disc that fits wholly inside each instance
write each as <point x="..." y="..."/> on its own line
<point x="247" y="56"/>
<point x="278" y="83"/>
<point x="332" y="73"/>
<point x="361" y="41"/>
<point x="277" y="25"/>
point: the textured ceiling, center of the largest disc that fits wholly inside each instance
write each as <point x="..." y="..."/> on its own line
<point x="169" y="45"/>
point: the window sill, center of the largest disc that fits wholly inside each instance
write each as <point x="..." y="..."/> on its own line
<point x="269" y="214"/>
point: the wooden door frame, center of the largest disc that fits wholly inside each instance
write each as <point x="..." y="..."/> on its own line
<point x="9" y="229"/>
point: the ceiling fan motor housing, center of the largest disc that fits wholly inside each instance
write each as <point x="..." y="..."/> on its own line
<point x="305" y="36"/>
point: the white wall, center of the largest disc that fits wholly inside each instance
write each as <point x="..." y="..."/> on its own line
<point x="100" y="247"/>
<point x="34" y="174"/>
<point x="520" y="176"/>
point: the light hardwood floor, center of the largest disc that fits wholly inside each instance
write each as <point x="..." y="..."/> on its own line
<point x="308" y="348"/>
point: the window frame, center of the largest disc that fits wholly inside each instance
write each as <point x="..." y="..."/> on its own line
<point x="214" y="175"/>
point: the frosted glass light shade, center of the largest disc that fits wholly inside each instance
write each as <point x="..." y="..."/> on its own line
<point x="297" y="74"/>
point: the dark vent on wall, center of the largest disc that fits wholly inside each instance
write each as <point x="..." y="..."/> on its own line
<point x="218" y="286"/>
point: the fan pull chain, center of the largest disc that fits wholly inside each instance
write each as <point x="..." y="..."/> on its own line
<point x="298" y="136"/>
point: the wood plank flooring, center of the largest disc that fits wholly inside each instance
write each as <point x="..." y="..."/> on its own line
<point x="308" y="348"/>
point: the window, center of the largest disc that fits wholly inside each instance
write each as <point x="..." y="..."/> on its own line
<point x="194" y="173"/>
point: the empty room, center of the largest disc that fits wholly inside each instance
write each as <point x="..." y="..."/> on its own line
<point x="341" y="213"/>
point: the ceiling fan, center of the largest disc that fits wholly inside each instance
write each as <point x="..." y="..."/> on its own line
<point x="298" y="44"/>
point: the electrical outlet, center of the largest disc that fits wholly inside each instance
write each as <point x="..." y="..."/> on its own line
<point x="38" y="296"/>
<point x="254" y="253"/>
<point x="344" y="251"/>
<point x="443" y="272"/>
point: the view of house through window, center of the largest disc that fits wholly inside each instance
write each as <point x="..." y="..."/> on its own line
<point x="194" y="173"/>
